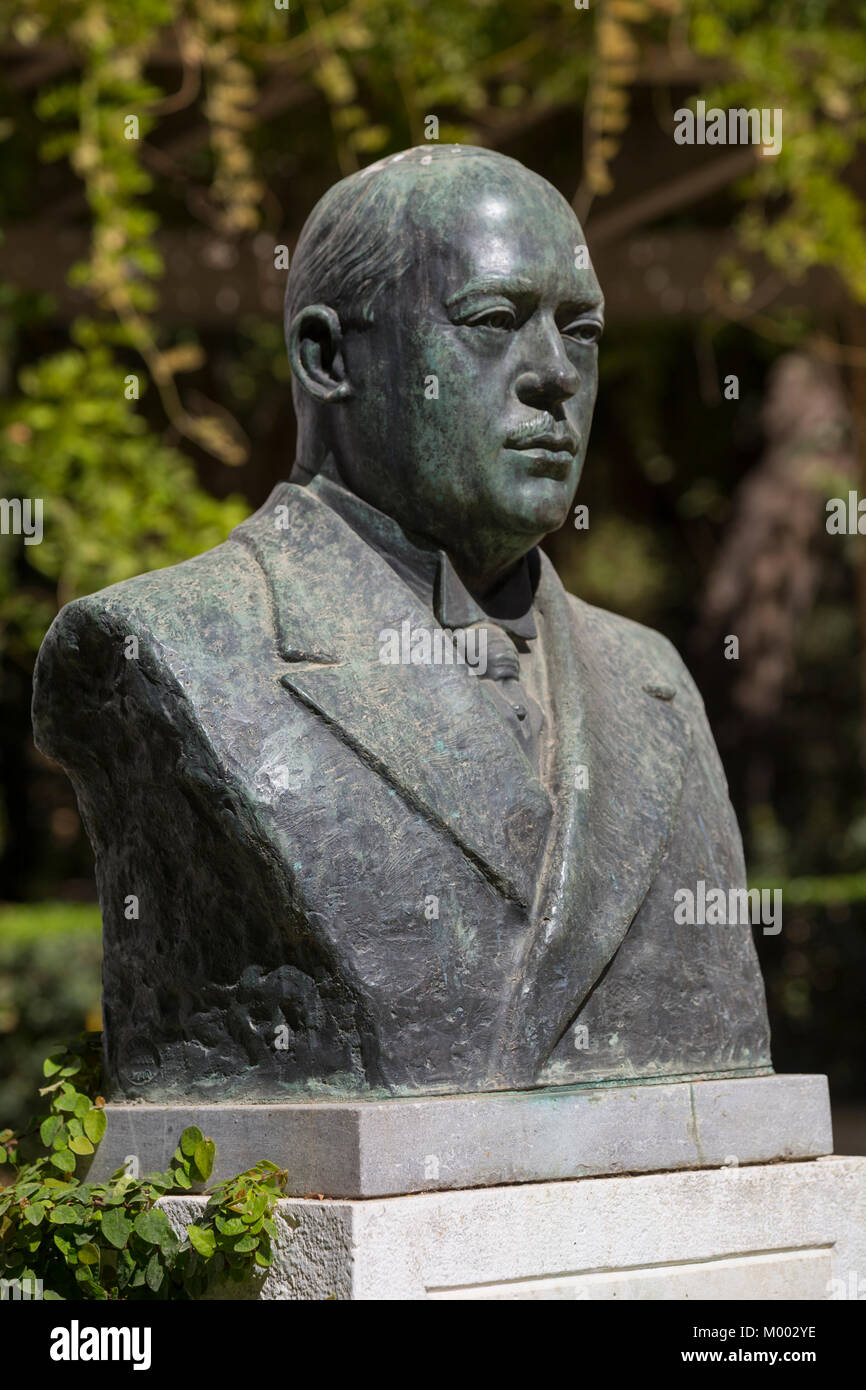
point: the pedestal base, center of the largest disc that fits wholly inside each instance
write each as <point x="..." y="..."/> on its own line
<point x="384" y="1148"/>
<point x="771" y="1231"/>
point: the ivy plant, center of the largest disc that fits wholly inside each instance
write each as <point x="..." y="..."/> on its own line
<point x="111" y="1240"/>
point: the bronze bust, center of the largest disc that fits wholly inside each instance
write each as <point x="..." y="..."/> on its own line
<point x="335" y="855"/>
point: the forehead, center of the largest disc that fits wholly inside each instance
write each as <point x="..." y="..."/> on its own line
<point x="485" y="221"/>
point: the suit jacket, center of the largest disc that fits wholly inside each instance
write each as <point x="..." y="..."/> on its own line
<point x="324" y="875"/>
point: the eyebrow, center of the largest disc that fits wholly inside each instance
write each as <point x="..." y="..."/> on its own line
<point x="517" y="285"/>
<point x="590" y="306"/>
<point x="491" y="284"/>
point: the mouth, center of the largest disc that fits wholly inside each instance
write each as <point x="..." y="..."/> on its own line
<point x="552" y="455"/>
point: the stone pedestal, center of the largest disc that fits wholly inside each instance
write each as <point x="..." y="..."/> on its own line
<point x="772" y="1231"/>
<point x="386" y="1148"/>
<point x="722" y="1188"/>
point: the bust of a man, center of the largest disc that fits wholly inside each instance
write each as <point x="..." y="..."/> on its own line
<point x="378" y="808"/>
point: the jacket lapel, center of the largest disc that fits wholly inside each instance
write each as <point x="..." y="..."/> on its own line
<point x="434" y="735"/>
<point x="608" y="837"/>
<point x="430" y="730"/>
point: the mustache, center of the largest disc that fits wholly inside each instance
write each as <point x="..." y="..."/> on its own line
<point x="543" y="433"/>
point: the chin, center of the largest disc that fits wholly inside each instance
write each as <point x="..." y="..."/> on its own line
<point x="542" y="506"/>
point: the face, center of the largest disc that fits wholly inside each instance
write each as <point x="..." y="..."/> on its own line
<point x="472" y="394"/>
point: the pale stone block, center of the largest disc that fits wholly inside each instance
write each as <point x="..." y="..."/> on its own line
<point x="770" y="1231"/>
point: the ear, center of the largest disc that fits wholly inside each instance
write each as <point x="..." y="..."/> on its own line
<point x="316" y="353"/>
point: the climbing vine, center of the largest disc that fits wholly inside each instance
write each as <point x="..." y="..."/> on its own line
<point x="68" y="1238"/>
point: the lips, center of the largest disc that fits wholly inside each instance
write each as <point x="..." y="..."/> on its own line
<point x="552" y="452"/>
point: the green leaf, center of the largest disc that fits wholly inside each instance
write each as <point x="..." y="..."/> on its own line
<point x="231" y="1226"/>
<point x="95" y="1124"/>
<point x="154" y="1274"/>
<point x="48" y="1129"/>
<point x="170" y="1243"/>
<point x="182" y="1178"/>
<point x="115" y="1227"/>
<point x="90" y="1287"/>
<point x="67" y="1100"/>
<point x="64" y="1161"/>
<point x="246" y="1244"/>
<point x="82" y="1105"/>
<point x="3" y="1154"/>
<point x="151" y="1226"/>
<point x="81" y="1145"/>
<point x="190" y="1139"/>
<point x="66" y="1247"/>
<point x="160" y="1181"/>
<point x="34" y="1213"/>
<point x="64" y="1216"/>
<point x="125" y="1268"/>
<point x="264" y="1258"/>
<point x="256" y="1207"/>
<point x="88" y="1254"/>
<point x="50" y="1067"/>
<point x="203" y="1158"/>
<point x="202" y="1239"/>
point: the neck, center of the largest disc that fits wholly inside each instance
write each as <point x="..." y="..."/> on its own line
<point x="482" y="559"/>
<point x="485" y="568"/>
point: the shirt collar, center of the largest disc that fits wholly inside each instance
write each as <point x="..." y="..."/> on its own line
<point x="429" y="572"/>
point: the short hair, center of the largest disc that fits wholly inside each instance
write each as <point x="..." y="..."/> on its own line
<point x="351" y="248"/>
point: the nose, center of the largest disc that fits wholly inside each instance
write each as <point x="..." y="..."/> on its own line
<point x="552" y="378"/>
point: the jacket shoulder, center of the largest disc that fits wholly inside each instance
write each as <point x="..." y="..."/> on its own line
<point x="640" y="655"/>
<point x="158" y="624"/>
<point x="196" y="585"/>
<point x="631" y="645"/>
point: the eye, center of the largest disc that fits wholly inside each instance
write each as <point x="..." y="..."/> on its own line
<point x="583" y="331"/>
<point x="501" y="317"/>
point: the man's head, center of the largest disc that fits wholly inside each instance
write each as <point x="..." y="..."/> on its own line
<point x="442" y="326"/>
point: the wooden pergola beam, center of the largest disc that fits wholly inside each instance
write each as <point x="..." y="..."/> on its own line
<point x="209" y="282"/>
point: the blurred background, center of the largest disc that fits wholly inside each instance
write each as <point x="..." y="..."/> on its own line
<point x="157" y="161"/>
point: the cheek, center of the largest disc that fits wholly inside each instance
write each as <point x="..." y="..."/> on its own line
<point x="589" y="383"/>
<point x="470" y="369"/>
<point x="580" y="406"/>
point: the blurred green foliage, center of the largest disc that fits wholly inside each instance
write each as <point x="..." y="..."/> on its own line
<point x="119" y="500"/>
<point x="50" y="987"/>
<point x="135" y="477"/>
